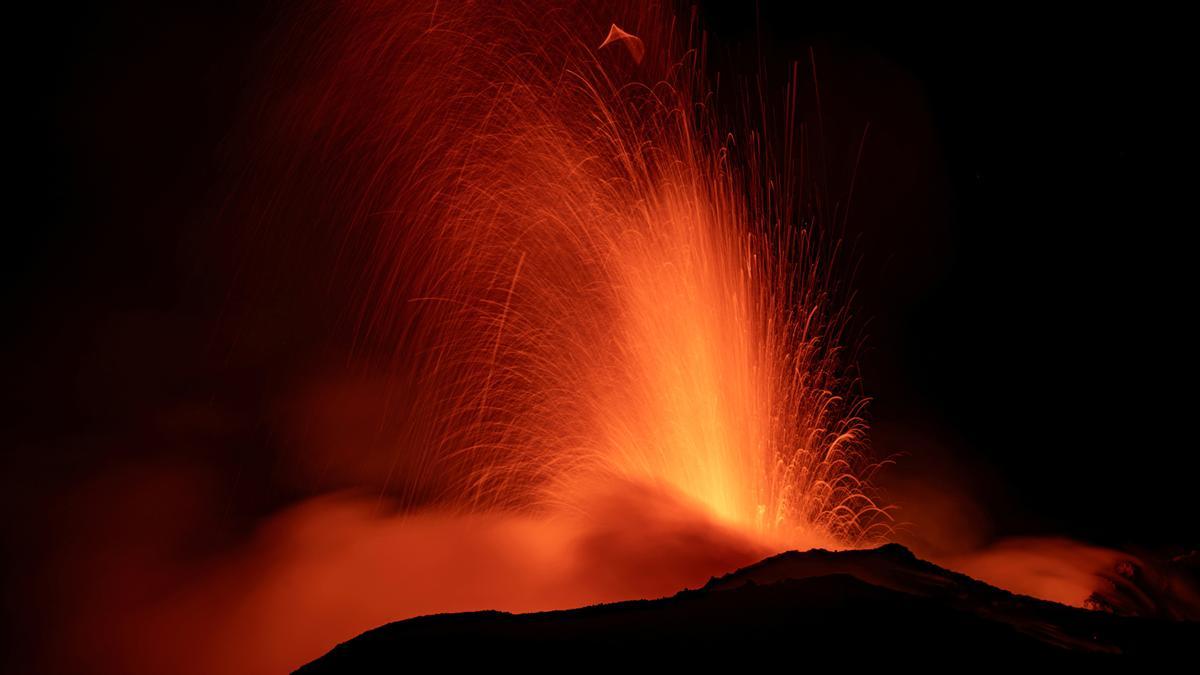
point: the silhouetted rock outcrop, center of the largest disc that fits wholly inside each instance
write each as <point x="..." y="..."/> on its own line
<point x="790" y="609"/>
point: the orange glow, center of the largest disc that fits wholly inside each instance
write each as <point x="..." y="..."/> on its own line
<point x="331" y="568"/>
<point x="610" y="325"/>
<point x="602" y="324"/>
<point x="592" y="282"/>
<point x="1061" y="570"/>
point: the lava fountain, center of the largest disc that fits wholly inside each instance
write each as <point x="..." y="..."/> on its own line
<point x="609" y="314"/>
<point x="591" y="282"/>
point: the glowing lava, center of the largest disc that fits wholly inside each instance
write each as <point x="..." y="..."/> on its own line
<point x="590" y="280"/>
<point x="606" y="320"/>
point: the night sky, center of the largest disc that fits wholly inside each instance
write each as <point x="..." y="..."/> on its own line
<point x="1023" y="209"/>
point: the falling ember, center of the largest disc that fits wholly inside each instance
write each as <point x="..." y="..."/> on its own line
<point x="636" y="49"/>
<point x="593" y="282"/>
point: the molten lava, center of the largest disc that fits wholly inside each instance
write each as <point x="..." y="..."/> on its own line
<point x="589" y="279"/>
<point x="607" y="323"/>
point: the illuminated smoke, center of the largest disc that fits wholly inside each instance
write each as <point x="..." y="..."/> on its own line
<point x="604" y="313"/>
<point x="602" y="319"/>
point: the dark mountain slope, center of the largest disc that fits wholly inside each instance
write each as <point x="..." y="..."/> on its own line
<point x="854" y="606"/>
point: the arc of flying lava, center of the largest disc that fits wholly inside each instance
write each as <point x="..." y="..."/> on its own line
<point x="674" y="322"/>
<point x="632" y="42"/>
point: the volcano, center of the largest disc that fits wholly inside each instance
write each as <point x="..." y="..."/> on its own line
<point x="326" y="315"/>
<point x="882" y="603"/>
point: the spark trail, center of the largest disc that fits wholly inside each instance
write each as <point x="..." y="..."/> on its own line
<point x="592" y="280"/>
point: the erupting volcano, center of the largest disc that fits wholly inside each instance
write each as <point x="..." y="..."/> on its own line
<point x="534" y="309"/>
